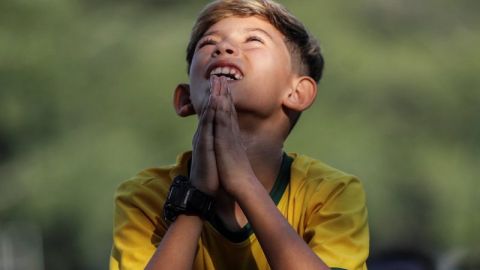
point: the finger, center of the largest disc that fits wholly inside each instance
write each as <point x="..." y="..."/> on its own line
<point x="230" y="101"/>
<point x="225" y="106"/>
<point x="221" y="120"/>
<point x="224" y="86"/>
<point x="199" y="126"/>
<point x="195" y="138"/>
<point x="205" y="125"/>
<point x="204" y="103"/>
<point x="233" y="112"/>
<point x="214" y="85"/>
<point x="209" y="118"/>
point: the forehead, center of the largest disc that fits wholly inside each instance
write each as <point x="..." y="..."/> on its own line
<point x="244" y="24"/>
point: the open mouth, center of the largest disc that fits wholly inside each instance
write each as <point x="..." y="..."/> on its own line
<point x="231" y="73"/>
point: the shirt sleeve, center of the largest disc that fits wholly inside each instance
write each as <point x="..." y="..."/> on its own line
<point x="337" y="227"/>
<point x="138" y="226"/>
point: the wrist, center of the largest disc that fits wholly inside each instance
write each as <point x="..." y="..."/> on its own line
<point x="204" y="188"/>
<point x="243" y="185"/>
<point x="188" y="218"/>
<point x="185" y="199"/>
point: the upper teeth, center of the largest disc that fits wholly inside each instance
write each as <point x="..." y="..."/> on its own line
<point x="227" y="70"/>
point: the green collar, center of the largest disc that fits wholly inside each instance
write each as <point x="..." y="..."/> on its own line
<point x="281" y="183"/>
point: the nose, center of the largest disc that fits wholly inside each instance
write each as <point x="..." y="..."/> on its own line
<point x="223" y="48"/>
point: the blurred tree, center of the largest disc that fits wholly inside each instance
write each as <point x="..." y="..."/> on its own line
<point x="85" y="102"/>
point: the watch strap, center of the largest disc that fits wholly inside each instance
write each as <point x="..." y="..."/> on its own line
<point x="184" y="198"/>
<point x="199" y="202"/>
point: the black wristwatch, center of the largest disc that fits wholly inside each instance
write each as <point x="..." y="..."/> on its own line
<point x="184" y="198"/>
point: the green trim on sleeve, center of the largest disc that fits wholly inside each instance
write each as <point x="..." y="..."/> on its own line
<point x="281" y="183"/>
<point x="336" y="268"/>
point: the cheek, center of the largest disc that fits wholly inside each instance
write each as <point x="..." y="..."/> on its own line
<point x="199" y="60"/>
<point x="197" y="98"/>
<point x="199" y="89"/>
<point x="195" y="69"/>
<point x="196" y="76"/>
<point x="274" y="63"/>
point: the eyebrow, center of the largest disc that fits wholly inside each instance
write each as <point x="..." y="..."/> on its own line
<point x="251" y="29"/>
<point x="209" y="33"/>
<point x="259" y="30"/>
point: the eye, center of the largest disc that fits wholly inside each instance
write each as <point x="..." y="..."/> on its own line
<point x="207" y="41"/>
<point x="255" y="39"/>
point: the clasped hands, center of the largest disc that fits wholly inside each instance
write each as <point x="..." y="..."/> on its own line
<point x="219" y="159"/>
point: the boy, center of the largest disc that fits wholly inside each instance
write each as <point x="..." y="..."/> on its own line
<point x="237" y="201"/>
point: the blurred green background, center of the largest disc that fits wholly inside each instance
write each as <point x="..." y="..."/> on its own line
<point x="85" y="103"/>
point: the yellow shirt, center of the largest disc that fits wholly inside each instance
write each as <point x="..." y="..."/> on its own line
<point x="325" y="206"/>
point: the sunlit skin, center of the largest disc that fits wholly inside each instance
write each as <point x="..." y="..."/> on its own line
<point x="238" y="145"/>
<point x="259" y="51"/>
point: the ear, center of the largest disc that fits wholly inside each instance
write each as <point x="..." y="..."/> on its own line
<point x="181" y="100"/>
<point x="301" y="95"/>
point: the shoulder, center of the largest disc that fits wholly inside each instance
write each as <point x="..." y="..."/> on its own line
<point x="138" y="226"/>
<point x="334" y="214"/>
<point x="149" y="187"/>
<point x="148" y="183"/>
<point x="319" y="182"/>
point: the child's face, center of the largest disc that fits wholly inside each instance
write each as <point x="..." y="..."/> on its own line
<point x="254" y="55"/>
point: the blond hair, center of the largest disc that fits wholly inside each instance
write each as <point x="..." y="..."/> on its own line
<point x="303" y="47"/>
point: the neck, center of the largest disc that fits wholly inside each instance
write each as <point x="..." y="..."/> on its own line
<point x="263" y="141"/>
<point x="265" y="156"/>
